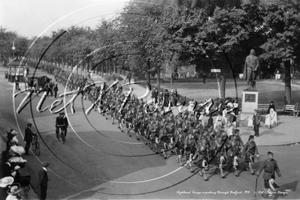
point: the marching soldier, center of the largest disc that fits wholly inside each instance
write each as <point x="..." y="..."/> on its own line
<point x="270" y="166"/>
<point x="249" y="152"/>
<point x="234" y="153"/>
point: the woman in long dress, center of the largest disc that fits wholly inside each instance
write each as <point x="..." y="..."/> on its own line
<point x="271" y="118"/>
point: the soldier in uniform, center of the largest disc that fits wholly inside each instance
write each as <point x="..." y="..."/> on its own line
<point x="200" y="157"/>
<point x="249" y="152"/>
<point x="234" y="152"/>
<point x="270" y="166"/>
<point x="179" y="144"/>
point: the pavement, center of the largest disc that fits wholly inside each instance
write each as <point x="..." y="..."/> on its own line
<point x="100" y="162"/>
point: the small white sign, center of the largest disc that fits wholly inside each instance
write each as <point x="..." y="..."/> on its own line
<point x="215" y="70"/>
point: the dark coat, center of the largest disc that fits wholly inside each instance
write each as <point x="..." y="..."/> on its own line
<point x="270" y="167"/>
<point x="60" y="121"/>
<point x="256" y="119"/>
<point x="28" y="134"/>
<point x="43" y="178"/>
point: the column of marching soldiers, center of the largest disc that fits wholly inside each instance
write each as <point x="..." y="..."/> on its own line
<point x="196" y="144"/>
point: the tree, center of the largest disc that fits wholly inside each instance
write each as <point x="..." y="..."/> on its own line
<point x="6" y="42"/>
<point x="282" y="22"/>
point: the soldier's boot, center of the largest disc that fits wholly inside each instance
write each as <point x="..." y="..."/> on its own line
<point x="221" y="170"/>
<point x="235" y="166"/>
<point x="269" y="192"/>
<point x="164" y="153"/>
<point x="251" y="169"/>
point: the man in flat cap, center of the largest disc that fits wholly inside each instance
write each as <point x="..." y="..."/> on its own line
<point x="29" y="134"/>
<point x="43" y="181"/>
<point x="270" y="166"/>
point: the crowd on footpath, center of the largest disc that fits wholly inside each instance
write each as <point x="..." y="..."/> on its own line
<point x="181" y="129"/>
<point x="16" y="178"/>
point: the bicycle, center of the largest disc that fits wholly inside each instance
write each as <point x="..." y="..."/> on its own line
<point x="36" y="146"/>
<point x="61" y="133"/>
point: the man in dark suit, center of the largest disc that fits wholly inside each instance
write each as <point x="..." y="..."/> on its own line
<point x="43" y="181"/>
<point x="256" y="121"/>
<point x="60" y="123"/>
<point x="29" y="134"/>
<point x="67" y="124"/>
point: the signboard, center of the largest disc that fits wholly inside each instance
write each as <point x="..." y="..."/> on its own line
<point x="215" y="70"/>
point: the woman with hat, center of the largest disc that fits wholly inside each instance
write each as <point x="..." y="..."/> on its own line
<point x="14" y="193"/>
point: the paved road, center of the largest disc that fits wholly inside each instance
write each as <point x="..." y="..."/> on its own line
<point x="100" y="162"/>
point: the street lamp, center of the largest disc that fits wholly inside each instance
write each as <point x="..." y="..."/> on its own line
<point x="13" y="48"/>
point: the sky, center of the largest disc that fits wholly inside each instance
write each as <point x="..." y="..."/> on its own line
<point x="31" y="18"/>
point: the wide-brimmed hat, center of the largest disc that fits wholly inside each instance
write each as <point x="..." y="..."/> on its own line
<point x="29" y="124"/>
<point x="4" y="182"/>
<point x="14" y="190"/>
<point x="14" y="132"/>
<point x="46" y="164"/>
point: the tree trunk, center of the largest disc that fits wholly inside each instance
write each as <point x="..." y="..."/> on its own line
<point x="148" y="72"/>
<point x="287" y="80"/>
<point x="158" y="77"/>
<point x="222" y="81"/>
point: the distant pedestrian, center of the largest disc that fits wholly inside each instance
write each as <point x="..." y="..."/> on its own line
<point x="270" y="166"/>
<point x="43" y="181"/>
<point x="129" y="77"/>
<point x="29" y="134"/>
<point x="154" y="95"/>
<point x="17" y="83"/>
<point x="204" y="78"/>
<point x="256" y="122"/>
<point x="51" y="86"/>
<point x="55" y="90"/>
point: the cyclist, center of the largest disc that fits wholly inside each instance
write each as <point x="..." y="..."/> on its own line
<point x="60" y="124"/>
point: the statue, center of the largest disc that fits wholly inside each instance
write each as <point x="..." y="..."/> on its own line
<point x="250" y="70"/>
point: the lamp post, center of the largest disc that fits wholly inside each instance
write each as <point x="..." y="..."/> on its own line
<point x="13" y="48"/>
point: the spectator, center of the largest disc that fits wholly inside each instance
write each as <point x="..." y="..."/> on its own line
<point x="154" y="95"/>
<point x="51" y="86"/>
<point x="43" y="181"/>
<point x="55" y="90"/>
<point x="271" y="106"/>
<point x="11" y="134"/>
<point x="204" y="78"/>
<point x="14" y="193"/>
<point x="166" y="98"/>
<point x="256" y="122"/>
<point x="29" y="134"/>
<point x="17" y="83"/>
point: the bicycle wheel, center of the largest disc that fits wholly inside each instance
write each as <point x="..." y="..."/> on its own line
<point x="37" y="151"/>
<point x="33" y="146"/>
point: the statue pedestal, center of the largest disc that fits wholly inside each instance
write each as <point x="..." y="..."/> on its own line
<point x="249" y="104"/>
